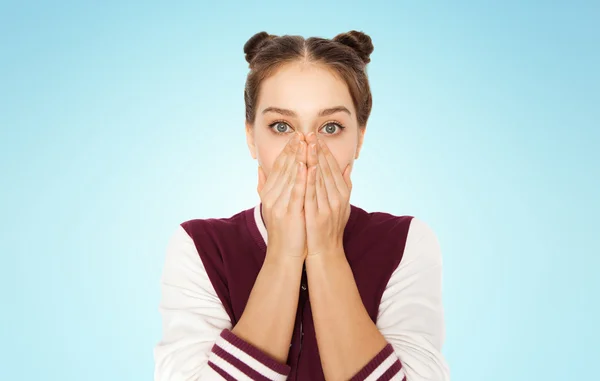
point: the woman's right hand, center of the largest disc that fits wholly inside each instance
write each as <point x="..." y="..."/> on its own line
<point x="282" y="198"/>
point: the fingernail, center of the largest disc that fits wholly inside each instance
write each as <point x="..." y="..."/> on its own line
<point x="313" y="149"/>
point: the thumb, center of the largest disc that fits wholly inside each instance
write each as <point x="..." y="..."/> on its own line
<point x="262" y="178"/>
<point x="347" y="173"/>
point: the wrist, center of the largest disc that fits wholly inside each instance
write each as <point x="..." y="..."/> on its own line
<point x="283" y="261"/>
<point x="329" y="257"/>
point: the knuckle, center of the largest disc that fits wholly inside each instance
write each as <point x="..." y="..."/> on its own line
<point x="290" y="148"/>
<point x="278" y="212"/>
<point x="268" y="204"/>
<point x="291" y="180"/>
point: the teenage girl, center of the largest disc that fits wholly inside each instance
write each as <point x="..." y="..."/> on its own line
<point x="305" y="285"/>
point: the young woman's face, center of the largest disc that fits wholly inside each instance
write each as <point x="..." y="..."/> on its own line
<point x="303" y="98"/>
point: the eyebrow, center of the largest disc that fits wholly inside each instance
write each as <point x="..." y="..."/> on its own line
<point x="324" y="112"/>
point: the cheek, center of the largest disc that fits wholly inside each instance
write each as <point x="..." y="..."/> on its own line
<point x="268" y="147"/>
<point x="343" y="159"/>
<point x="267" y="154"/>
<point x="343" y="153"/>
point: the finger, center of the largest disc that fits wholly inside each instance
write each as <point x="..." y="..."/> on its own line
<point x="347" y="174"/>
<point x="297" y="197"/>
<point x="333" y="169"/>
<point x="327" y="175"/>
<point x="312" y="158"/>
<point x="262" y="178"/>
<point x="321" y="191"/>
<point x="311" y="137"/>
<point x="282" y="185"/>
<point x="288" y="186"/>
<point x="301" y="136"/>
<point x="280" y="193"/>
<point x="282" y="161"/>
<point x="281" y="166"/>
<point x="288" y="176"/>
<point x="310" y="197"/>
<point x="311" y="204"/>
<point x="301" y="153"/>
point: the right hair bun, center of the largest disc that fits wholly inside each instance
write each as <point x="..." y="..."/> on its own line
<point x="255" y="43"/>
<point x="360" y="42"/>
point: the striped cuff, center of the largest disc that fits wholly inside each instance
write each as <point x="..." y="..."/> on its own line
<point x="235" y="359"/>
<point x="384" y="366"/>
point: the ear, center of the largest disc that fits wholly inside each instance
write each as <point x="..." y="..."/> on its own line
<point x="250" y="139"/>
<point x="361" y="138"/>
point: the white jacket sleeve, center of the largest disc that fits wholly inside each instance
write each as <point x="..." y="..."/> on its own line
<point x="411" y="313"/>
<point x="192" y="313"/>
<point x="197" y="342"/>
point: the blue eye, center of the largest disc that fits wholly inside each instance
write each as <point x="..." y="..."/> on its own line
<point x="280" y="127"/>
<point x="332" y="128"/>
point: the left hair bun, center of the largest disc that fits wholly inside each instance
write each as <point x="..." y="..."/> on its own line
<point x="359" y="41"/>
<point x="255" y="43"/>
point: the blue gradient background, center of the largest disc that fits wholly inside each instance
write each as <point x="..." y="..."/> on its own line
<point x="119" y="120"/>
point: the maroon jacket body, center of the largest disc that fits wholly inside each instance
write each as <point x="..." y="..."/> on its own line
<point x="233" y="250"/>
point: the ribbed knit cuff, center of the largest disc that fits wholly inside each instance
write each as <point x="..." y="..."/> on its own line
<point x="384" y="366"/>
<point x="236" y="359"/>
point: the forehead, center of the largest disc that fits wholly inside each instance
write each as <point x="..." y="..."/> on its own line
<point x="305" y="88"/>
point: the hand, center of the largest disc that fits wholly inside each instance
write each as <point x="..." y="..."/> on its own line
<point x="282" y="196"/>
<point x="327" y="200"/>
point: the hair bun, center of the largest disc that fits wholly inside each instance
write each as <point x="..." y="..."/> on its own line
<point x="359" y="42"/>
<point x="255" y="43"/>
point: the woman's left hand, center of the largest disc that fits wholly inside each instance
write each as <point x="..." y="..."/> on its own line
<point x="327" y="200"/>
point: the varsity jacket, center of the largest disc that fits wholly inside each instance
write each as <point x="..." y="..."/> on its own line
<point x="211" y="266"/>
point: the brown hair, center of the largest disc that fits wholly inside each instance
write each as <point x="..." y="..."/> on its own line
<point x="346" y="55"/>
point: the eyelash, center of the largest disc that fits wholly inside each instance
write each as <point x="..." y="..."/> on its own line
<point x="341" y="127"/>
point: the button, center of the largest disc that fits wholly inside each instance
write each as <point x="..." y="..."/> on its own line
<point x="303" y="287"/>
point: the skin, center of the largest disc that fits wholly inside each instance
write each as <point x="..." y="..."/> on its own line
<point x="305" y="89"/>
<point x="347" y="337"/>
<point x="268" y="319"/>
<point x="305" y="186"/>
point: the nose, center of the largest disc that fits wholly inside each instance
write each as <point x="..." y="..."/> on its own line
<point x="306" y="129"/>
<point x="311" y="137"/>
<point x="307" y="136"/>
